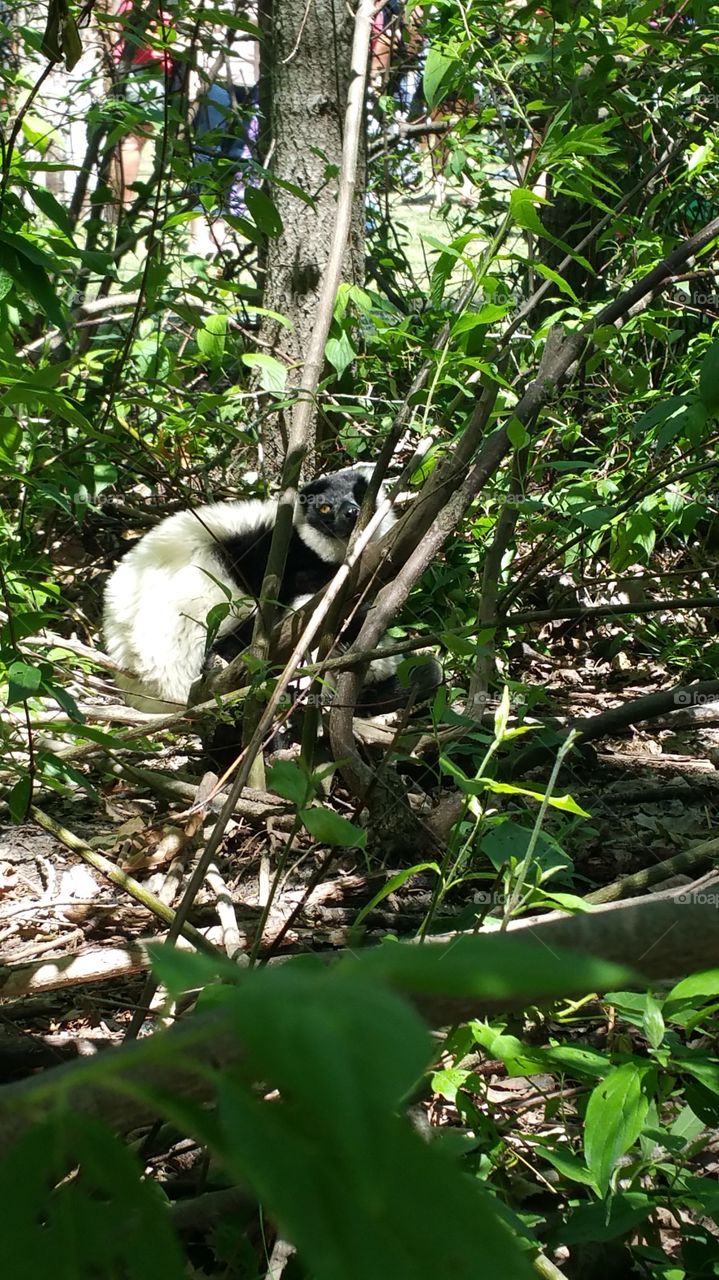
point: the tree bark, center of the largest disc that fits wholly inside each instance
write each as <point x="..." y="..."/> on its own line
<point x="305" y="72"/>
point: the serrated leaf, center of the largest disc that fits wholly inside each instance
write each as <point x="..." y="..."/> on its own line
<point x="331" y="828"/>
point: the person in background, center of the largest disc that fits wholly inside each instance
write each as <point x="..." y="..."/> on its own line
<point x="145" y="74"/>
<point x="225" y="127"/>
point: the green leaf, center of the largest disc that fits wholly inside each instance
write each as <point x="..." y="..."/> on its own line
<point x="709" y="379"/>
<point x="33" y="393"/>
<point x="616" y="1216"/>
<point x="338" y="1168"/>
<point x="703" y="1068"/>
<point x="71" y="42"/>
<point x="291" y="782"/>
<point x="496" y="967"/>
<point x="10" y="436"/>
<point x="653" y="1022"/>
<point x="340" y="352"/>
<point x="24" y="680"/>
<point x="700" y="986"/>
<point x="331" y="828"/>
<point x="488" y="314"/>
<point x="59" y="773"/>
<point x="64" y="700"/>
<point x="73" y="1191"/>
<point x="616" y="1112"/>
<point x="19" y="799"/>
<point x="438" y="75"/>
<point x="560" y="282"/>
<point x="52" y="208"/>
<point x="517" y="433"/>
<point x="34" y="280"/>
<point x="394" y="883"/>
<point x="182" y="971"/>
<point x="263" y="211"/>
<point x="6" y="283"/>
<point x="272" y="373"/>
<point x="522" y="208"/>
<point x="449" y="1081"/>
<point x="567" y="1164"/>
<point x="212" y="335"/>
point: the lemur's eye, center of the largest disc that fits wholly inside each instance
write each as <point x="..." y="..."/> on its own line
<point x="325" y="509"/>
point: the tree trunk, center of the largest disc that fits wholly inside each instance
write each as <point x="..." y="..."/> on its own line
<point x="305" y="60"/>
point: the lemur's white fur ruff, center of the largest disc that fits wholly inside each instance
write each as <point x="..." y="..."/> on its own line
<point x="158" y="598"/>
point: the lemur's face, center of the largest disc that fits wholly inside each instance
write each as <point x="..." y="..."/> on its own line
<point x="332" y="503"/>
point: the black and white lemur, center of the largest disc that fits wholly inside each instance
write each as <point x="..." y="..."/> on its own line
<point x="158" y="598"/>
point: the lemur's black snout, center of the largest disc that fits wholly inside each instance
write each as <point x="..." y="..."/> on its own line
<point x="346" y="518"/>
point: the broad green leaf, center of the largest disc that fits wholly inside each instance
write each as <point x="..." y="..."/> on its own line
<point x="291" y="782"/>
<point x="19" y="799"/>
<point x="517" y="433"/>
<point x="562" y="1159"/>
<point x="577" y="1060"/>
<point x="522" y="205"/>
<point x="488" y="314"/>
<point x="340" y="352"/>
<point x="703" y="1068"/>
<point x="700" y="986"/>
<point x="74" y="1192"/>
<point x="212" y="335"/>
<point x="439" y="71"/>
<point x="34" y="280"/>
<point x="615" y="1117"/>
<point x="331" y="828"/>
<point x="10" y="436"/>
<point x="449" y="1081"/>
<point x="24" y="680"/>
<point x="31" y="393"/>
<point x="263" y="211"/>
<point x="182" y="971"/>
<point x="340" y="1170"/>
<point x="272" y="373"/>
<point x="616" y="1216"/>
